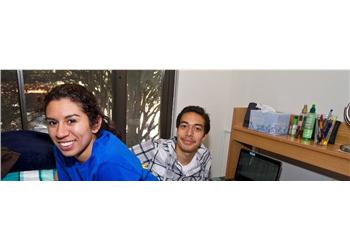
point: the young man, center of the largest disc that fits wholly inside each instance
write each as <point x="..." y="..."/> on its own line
<point x="183" y="157"/>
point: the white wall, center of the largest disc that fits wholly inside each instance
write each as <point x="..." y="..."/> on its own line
<point x="218" y="91"/>
<point x="211" y="90"/>
<point x="288" y="90"/>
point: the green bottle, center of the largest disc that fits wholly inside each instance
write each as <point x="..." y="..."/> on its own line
<point x="294" y="125"/>
<point x="309" y="123"/>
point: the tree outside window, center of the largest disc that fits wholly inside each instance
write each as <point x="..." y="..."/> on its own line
<point x="144" y="98"/>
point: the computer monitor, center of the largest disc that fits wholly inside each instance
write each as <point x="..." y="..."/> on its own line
<point x="253" y="166"/>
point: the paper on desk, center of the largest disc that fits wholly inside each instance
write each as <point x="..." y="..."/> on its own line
<point x="265" y="108"/>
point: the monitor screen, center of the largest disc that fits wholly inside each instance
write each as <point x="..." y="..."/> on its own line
<point x="253" y="166"/>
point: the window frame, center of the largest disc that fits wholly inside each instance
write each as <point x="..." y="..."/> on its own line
<point x="119" y="94"/>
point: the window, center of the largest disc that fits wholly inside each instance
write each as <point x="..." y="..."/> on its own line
<point x="144" y="92"/>
<point x="138" y="101"/>
<point x="10" y="108"/>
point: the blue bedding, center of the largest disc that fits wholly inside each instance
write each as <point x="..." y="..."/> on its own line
<point x="35" y="149"/>
<point x="31" y="175"/>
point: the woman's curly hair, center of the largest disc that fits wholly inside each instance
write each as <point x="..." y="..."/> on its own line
<point x="85" y="99"/>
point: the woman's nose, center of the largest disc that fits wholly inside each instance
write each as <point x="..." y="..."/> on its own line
<point x="61" y="131"/>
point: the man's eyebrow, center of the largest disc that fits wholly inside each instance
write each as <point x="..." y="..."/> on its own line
<point x="196" y="124"/>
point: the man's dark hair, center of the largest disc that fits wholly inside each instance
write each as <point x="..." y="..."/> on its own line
<point x="198" y="110"/>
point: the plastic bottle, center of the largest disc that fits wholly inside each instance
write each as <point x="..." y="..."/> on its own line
<point x="291" y="120"/>
<point x="309" y="123"/>
<point x="294" y="125"/>
<point x="301" y="122"/>
<point x="304" y="111"/>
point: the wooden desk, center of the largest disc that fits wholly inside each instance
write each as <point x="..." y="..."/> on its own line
<point x="324" y="158"/>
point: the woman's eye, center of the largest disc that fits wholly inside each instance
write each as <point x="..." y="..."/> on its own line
<point x="51" y="123"/>
<point x="71" y="121"/>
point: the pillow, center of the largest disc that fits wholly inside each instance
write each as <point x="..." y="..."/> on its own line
<point x="35" y="149"/>
<point x="8" y="159"/>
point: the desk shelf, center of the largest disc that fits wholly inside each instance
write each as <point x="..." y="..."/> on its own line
<point x="328" y="158"/>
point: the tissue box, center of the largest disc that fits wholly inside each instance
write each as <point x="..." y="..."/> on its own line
<point x="269" y="122"/>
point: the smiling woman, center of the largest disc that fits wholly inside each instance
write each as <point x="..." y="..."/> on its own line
<point x="70" y="130"/>
<point x="85" y="148"/>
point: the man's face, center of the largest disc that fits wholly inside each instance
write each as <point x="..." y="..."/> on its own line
<point x="190" y="133"/>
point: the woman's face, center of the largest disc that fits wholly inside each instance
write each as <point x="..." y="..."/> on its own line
<point x="70" y="130"/>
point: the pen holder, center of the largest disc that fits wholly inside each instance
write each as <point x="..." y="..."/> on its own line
<point x="334" y="132"/>
<point x="323" y="130"/>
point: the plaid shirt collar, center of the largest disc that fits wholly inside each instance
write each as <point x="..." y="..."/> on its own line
<point x="174" y="169"/>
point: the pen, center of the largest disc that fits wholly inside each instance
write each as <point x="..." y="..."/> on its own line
<point x="321" y="128"/>
<point x="334" y="119"/>
<point x="328" y="126"/>
<point x="330" y="114"/>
